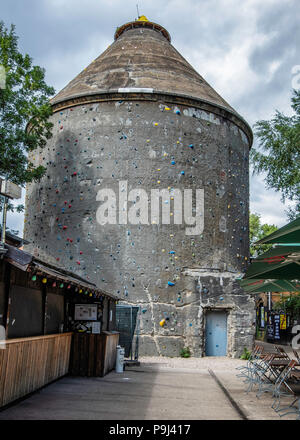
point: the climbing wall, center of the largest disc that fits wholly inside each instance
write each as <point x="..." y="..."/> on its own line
<point x="174" y="277"/>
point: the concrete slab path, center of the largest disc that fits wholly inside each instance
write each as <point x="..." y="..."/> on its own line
<point x="159" y="389"/>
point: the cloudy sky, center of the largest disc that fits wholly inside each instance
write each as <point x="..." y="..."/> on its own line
<point x="249" y="51"/>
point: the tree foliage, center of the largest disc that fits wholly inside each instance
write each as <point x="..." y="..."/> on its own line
<point x="289" y="305"/>
<point x="279" y="157"/>
<point x="24" y="98"/>
<point x="257" y="231"/>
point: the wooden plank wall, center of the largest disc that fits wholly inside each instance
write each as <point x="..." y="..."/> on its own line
<point x="110" y="352"/>
<point x="27" y="364"/>
<point x="93" y="355"/>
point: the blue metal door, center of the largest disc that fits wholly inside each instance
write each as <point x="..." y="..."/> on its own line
<point x="216" y="334"/>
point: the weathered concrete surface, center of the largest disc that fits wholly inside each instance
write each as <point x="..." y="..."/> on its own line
<point x="141" y="58"/>
<point x="133" y="395"/>
<point x="161" y="388"/>
<point x="149" y="142"/>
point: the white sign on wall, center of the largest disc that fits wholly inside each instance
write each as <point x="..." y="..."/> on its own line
<point x="85" y="312"/>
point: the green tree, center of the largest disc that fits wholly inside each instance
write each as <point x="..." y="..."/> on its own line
<point x="257" y="231"/>
<point x="279" y="157"/>
<point x="24" y="97"/>
<point x="289" y="305"/>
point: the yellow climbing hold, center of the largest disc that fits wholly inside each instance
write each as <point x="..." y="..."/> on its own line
<point x="162" y="322"/>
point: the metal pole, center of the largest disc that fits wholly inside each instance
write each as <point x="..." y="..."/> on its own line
<point x="4" y="214"/>
<point x="131" y="335"/>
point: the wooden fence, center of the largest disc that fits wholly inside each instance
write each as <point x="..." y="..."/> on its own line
<point x="27" y="364"/>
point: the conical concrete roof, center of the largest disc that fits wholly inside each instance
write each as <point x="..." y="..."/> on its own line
<point x="142" y="57"/>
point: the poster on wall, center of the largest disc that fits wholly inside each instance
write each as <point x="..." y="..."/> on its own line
<point x="96" y="328"/>
<point x="85" y="312"/>
<point x="282" y="322"/>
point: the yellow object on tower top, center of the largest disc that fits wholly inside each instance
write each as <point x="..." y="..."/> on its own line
<point x="142" y="18"/>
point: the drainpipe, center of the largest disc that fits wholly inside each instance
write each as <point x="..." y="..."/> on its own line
<point x="269" y="301"/>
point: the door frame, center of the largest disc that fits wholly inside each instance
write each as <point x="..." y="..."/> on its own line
<point x="227" y="311"/>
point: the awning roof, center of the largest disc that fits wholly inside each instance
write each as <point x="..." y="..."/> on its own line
<point x="278" y="263"/>
<point x="29" y="263"/>
<point x="259" y="285"/>
<point x="289" y="233"/>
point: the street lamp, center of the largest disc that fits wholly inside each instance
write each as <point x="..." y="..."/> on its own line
<point x="8" y="190"/>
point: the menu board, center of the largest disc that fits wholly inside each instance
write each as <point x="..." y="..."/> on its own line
<point x="276" y="326"/>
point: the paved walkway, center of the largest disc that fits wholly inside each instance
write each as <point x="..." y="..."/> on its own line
<point x="159" y="389"/>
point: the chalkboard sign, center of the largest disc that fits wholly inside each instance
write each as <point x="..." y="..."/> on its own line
<point x="276" y="326"/>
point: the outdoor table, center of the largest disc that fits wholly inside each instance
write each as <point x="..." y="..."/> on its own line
<point x="282" y="363"/>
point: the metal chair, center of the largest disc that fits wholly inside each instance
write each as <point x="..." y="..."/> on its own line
<point x="257" y="370"/>
<point x="291" y="386"/>
<point x="244" y="369"/>
<point x="268" y="376"/>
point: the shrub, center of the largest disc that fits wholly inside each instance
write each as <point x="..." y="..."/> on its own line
<point x="185" y="352"/>
<point x="246" y="354"/>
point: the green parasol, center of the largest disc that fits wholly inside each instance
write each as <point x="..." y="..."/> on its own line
<point x="288" y="234"/>
<point x="278" y="263"/>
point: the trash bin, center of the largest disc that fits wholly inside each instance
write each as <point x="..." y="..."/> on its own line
<point x="120" y="359"/>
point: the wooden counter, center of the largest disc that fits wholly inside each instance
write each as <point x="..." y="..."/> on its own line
<point x="27" y="364"/>
<point x="93" y="355"/>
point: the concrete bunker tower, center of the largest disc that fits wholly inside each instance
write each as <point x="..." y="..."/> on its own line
<point x="141" y="124"/>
